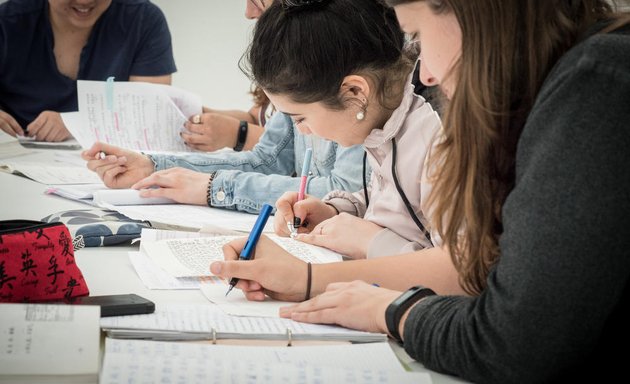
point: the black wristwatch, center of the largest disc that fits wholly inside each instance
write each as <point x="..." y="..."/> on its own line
<point x="243" y="126"/>
<point x="398" y="307"/>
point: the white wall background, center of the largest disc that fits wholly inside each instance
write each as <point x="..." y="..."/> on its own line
<point x="209" y="37"/>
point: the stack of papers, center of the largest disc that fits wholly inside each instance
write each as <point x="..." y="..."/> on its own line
<point x="193" y="256"/>
<point x="181" y="260"/>
<point x="99" y="195"/>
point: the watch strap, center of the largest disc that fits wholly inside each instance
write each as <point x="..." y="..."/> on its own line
<point x="396" y="310"/>
<point x="241" y="138"/>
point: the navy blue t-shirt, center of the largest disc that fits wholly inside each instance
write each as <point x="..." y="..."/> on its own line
<point x="131" y="38"/>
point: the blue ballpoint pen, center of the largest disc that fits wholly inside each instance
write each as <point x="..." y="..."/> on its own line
<point x="252" y="240"/>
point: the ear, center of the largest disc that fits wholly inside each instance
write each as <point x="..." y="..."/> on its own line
<point x="355" y="87"/>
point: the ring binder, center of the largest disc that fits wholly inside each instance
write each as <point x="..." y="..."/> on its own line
<point x="289" y="337"/>
<point x="206" y="322"/>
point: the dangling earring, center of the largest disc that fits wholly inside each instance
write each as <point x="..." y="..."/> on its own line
<point x="360" y="115"/>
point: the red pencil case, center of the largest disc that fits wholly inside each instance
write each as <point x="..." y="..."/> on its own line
<point x="37" y="263"/>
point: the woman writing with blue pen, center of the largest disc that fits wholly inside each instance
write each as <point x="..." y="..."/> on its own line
<point x="530" y="196"/>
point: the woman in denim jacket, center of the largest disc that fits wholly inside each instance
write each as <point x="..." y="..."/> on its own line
<point x="242" y="181"/>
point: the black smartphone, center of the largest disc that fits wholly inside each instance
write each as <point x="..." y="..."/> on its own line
<point x="118" y="305"/>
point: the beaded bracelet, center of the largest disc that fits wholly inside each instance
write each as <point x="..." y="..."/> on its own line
<point x="209" y="191"/>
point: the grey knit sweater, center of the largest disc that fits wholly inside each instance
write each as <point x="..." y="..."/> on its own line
<point x="552" y="308"/>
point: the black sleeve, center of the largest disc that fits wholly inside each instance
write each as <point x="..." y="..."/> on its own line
<point x="554" y="297"/>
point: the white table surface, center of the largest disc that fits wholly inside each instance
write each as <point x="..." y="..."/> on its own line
<point x="108" y="270"/>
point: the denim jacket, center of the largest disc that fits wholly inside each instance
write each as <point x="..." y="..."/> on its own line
<point x="246" y="180"/>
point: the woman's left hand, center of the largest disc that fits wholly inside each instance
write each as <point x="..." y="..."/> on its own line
<point x="346" y="234"/>
<point x="356" y="305"/>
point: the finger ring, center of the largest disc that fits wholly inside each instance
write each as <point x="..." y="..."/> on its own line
<point x="196" y="119"/>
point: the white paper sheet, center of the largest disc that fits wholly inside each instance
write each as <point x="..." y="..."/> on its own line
<point x="46" y="173"/>
<point x="185" y="321"/>
<point x="134" y="115"/>
<point x="193" y="216"/>
<point x="153" y="277"/>
<point x="192" y="257"/>
<point x="112" y="198"/>
<point x="158" y="362"/>
<point x="49" y="339"/>
<point x="236" y="303"/>
<point x="10" y="147"/>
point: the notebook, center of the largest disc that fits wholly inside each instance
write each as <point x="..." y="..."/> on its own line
<point x="159" y="362"/>
<point x="208" y="322"/>
<point x="49" y="343"/>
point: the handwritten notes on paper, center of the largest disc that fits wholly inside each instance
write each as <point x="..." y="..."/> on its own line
<point x="192" y="257"/>
<point x="153" y="277"/>
<point x="158" y="362"/>
<point x="203" y="322"/>
<point x="133" y="115"/>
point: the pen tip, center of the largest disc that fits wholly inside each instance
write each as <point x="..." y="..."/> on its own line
<point x="229" y="289"/>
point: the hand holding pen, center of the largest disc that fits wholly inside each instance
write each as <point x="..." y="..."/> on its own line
<point x="306" y="165"/>
<point x="252" y="240"/>
<point x="117" y="167"/>
<point x="312" y="210"/>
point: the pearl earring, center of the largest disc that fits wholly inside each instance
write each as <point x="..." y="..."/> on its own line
<point x="360" y="115"/>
